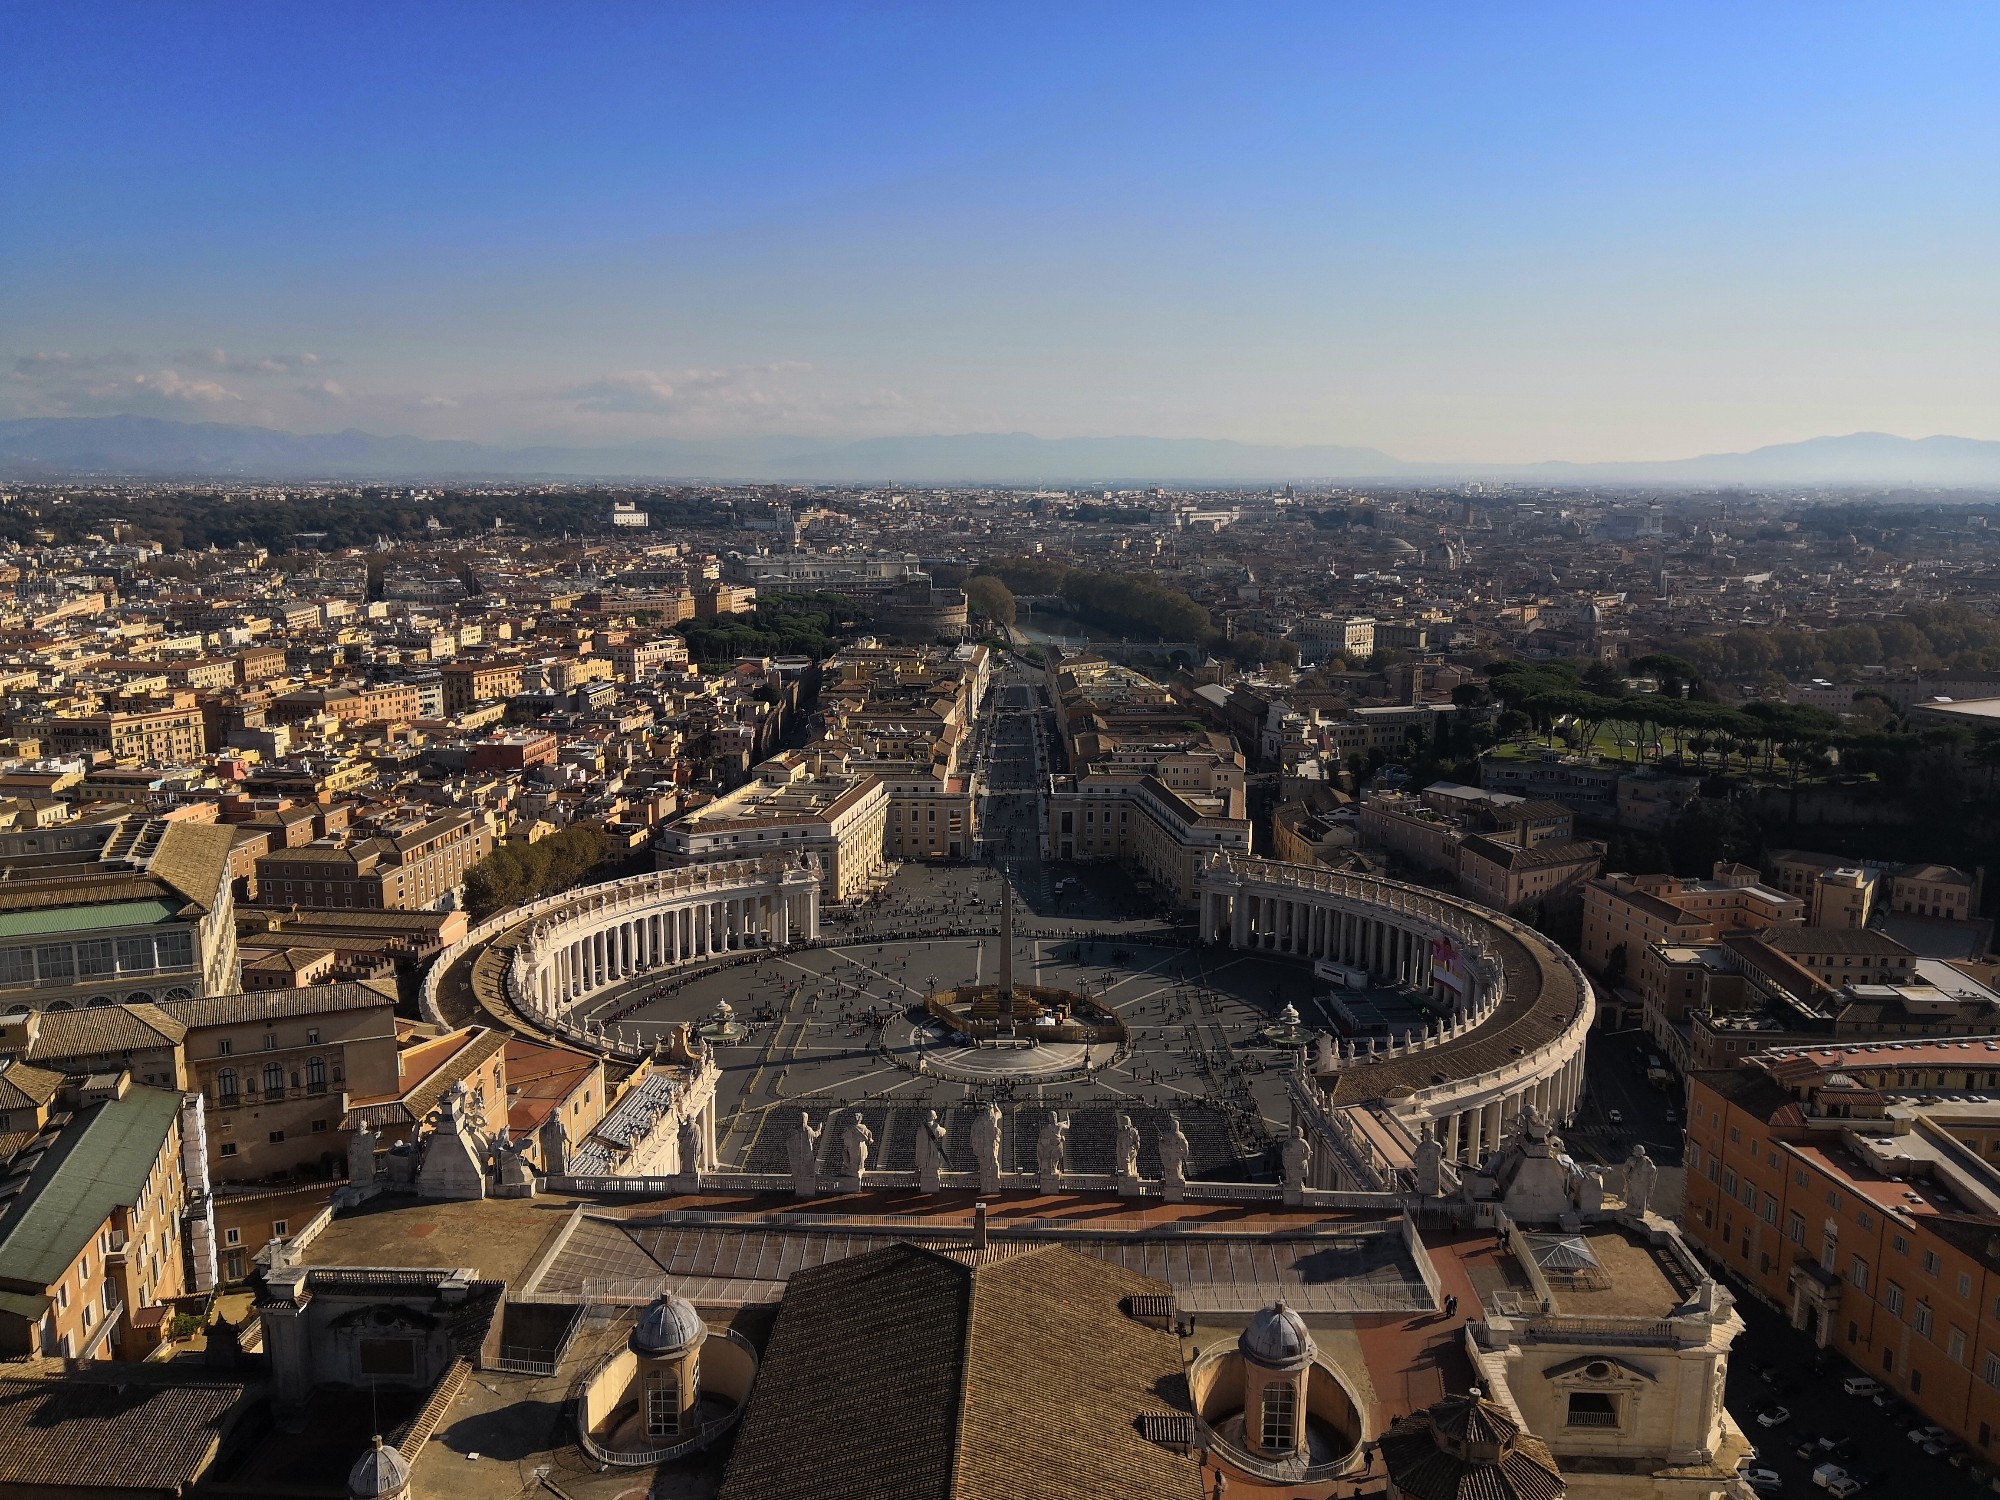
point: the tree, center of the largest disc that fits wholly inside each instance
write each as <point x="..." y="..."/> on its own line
<point x="990" y="599"/>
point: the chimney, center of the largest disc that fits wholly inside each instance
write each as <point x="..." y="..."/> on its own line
<point x="979" y="1226"/>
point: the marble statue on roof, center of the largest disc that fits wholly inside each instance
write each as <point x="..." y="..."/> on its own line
<point x="802" y="1152"/>
<point x="1297" y="1156"/>
<point x="931" y="1152"/>
<point x="986" y="1147"/>
<point x="855" y="1139"/>
<point x="1641" y="1175"/>
<point x="1049" y="1143"/>
<point x="1173" y="1160"/>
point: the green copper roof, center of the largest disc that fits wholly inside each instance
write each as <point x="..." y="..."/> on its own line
<point x="98" y="1164"/>
<point x="47" y="919"/>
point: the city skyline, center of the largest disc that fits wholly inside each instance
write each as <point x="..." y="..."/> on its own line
<point x="1458" y="240"/>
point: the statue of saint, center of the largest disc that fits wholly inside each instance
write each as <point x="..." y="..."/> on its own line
<point x="1323" y="1059"/>
<point x="855" y="1139"/>
<point x="1430" y="1163"/>
<point x="1126" y="1149"/>
<point x="986" y="1147"/>
<point x="1297" y="1153"/>
<point x="803" y="1149"/>
<point x="931" y="1156"/>
<point x="361" y="1155"/>
<point x="1641" y="1173"/>
<point x="1173" y="1153"/>
<point x="690" y="1138"/>
<point x="1049" y="1142"/>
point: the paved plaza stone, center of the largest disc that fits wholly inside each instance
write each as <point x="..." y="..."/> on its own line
<point x="842" y="1027"/>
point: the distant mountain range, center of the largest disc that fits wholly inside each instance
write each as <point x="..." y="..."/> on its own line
<point x="65" y="447"/>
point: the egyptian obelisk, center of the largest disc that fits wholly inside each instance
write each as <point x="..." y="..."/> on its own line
<point x="1006" y="994"/>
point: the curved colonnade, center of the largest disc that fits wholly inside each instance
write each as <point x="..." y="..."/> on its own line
<point x="1513" y="1008"/>
<point x="535" y="964"/>
<point x="607" y="934"/>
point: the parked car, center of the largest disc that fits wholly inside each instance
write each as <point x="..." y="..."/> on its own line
<point x="1836" y="1481"/>
<point x="1929" y="1433"/>
<point x="1773" y="1416"/>
<point x="1944" y="1447"/>
<point x="1763" y="1481"/>
<point x="1673" y="1115"/>
<point x="1861" y="1385"/>
<point x="1615" y="1116"/>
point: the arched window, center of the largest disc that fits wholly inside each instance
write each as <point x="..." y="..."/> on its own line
<point x="274" y="1079"/>
<point x="225" y="1085"/>
<point x="1280" y="1419"/>
<point x="316" y="1074"/>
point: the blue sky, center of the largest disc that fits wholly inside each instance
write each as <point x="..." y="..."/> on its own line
<point x="1452" y="232"/>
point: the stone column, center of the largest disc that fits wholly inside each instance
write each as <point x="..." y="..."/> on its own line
<point x="1451" y="1137"/>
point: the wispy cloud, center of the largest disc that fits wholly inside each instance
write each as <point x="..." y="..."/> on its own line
<point x="634" y="392"/>
<point x="295" y="390"/>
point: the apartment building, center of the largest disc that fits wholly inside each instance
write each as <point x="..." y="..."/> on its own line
<point x="91" y="1238"/>
<point x="279" y="1068"/>
<point x="1145" y="825"/>
<point x="420" y="867"/>
<point x="1629" y="912"/>
<point x="637" y="661"/>
<point x="379" y="703"/>
<point x="1854" y="1187"/>
<point x="467" y="683"/>
<point x="164" y="736"/>
<point x="1545" y="879"/>
<point x="809" y="803"/>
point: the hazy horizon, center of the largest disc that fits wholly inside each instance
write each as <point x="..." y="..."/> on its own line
<point x="1455" y="236"/>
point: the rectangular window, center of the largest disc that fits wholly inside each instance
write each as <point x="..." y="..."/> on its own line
<point x="1954" y="1345"/>
<point x="1921" y="1319"/>
<point x="55" y="961"/>
<point x="1795" y="1227"/>
<point x="1932" y="1264"/>
<point x="1591" y="1409"/>
<point x="1989" y="1370"/>
<point x="1892" y="1298"/>
<point x="1900" y="1245"/>
<point x="17" y="965"/>
<point x="388" y="1357"/>
<point x="1965" y="1283"/>
<point x="1857" y="1273"/>
<point x="95" y="956"/>
<point x="135" y="954"/>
